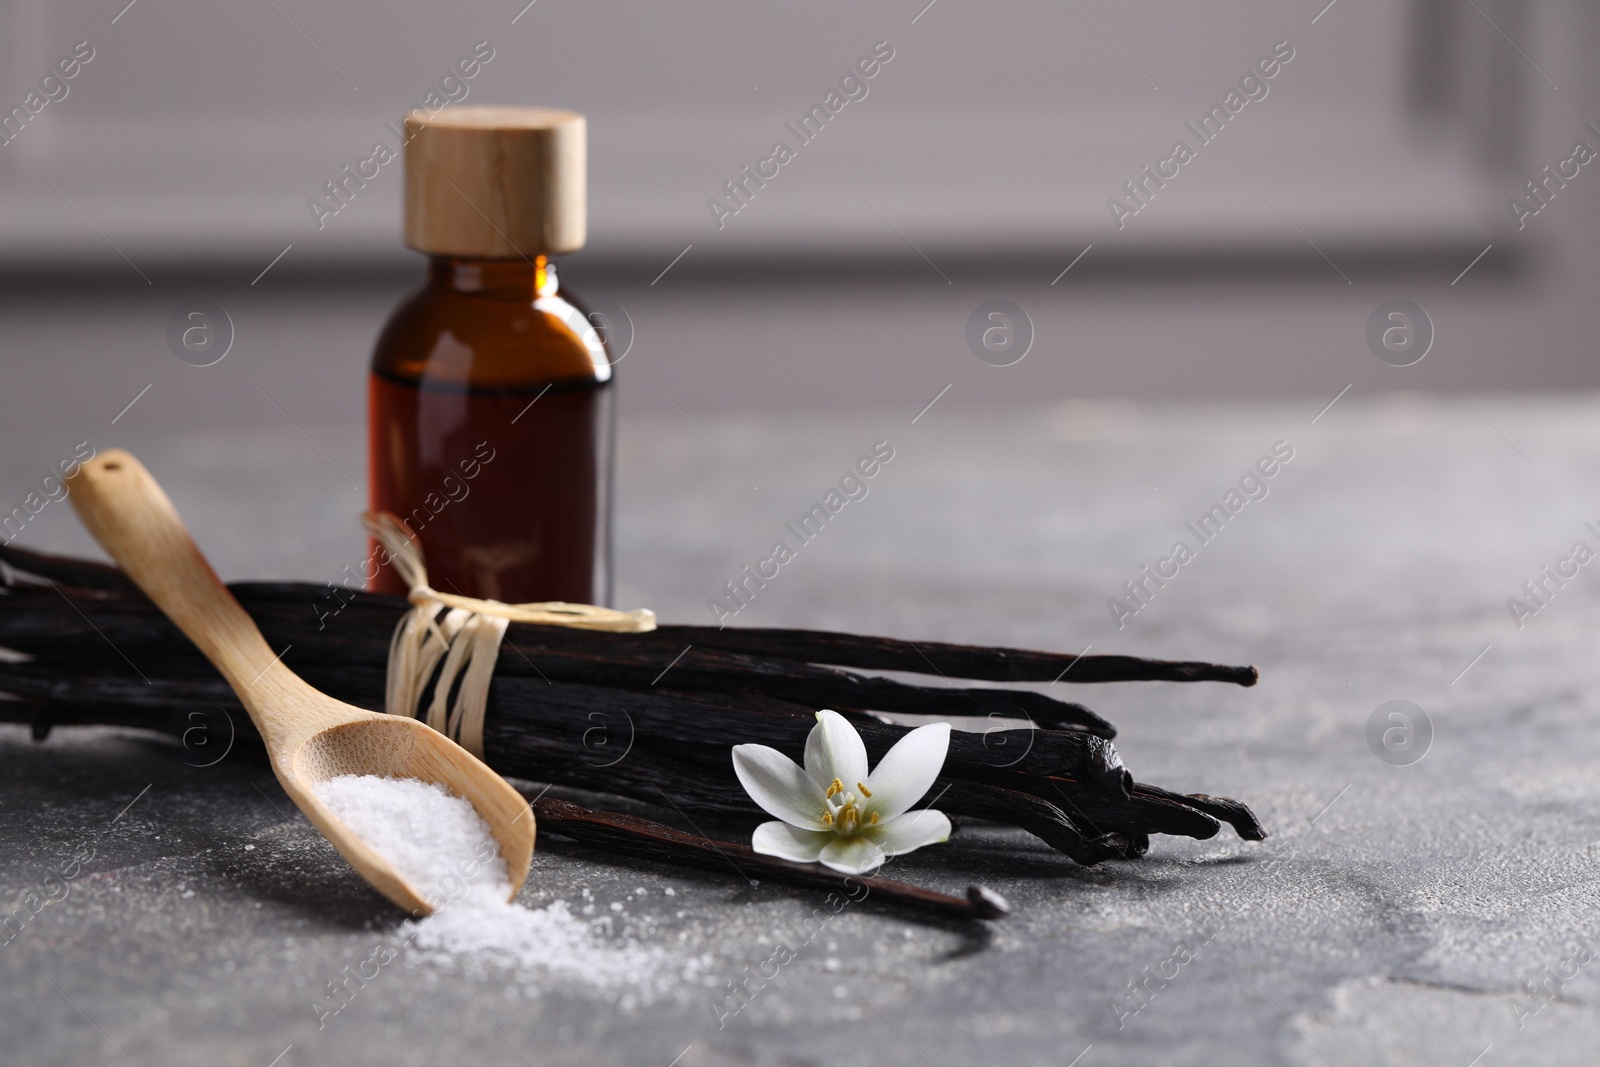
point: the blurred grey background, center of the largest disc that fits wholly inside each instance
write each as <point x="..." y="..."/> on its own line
<point x="979" y="165"/>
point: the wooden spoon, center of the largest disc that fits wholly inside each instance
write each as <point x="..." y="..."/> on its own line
<point x="310" y="737"/>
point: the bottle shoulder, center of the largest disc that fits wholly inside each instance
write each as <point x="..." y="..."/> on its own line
<point x="448" y="338"/>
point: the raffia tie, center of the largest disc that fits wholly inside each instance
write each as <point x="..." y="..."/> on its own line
<point x="466" y="637"/>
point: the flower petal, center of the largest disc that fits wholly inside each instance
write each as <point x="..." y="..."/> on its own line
<point x="834" y="750"/>
<point x="790" y="842"/>
<point x="852" y="855"/>
<point x="910" y="831"/>
<point x="780" y="785"/>
<point x="907" y="770"/>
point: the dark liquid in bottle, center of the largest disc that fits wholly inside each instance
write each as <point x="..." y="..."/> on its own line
<point x="507" y="499"/>
<point x="490" y="434"/>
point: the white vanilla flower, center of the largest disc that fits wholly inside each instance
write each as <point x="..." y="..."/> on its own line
<point x="832" y="810"/>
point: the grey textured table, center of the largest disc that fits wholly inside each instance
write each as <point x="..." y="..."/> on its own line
<point x="1394" y="917"/>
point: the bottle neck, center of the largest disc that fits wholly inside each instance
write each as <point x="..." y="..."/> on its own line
<point x="498" y="279"/>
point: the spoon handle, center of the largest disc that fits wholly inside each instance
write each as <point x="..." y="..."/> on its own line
<point x="132" y="518"/>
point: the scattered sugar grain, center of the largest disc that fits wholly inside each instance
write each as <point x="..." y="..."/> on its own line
<point x="482" y="934"/>
<point x="435" y="840"/>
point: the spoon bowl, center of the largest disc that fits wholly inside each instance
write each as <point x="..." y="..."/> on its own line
<point x="391" y="746"/>
<point x="309" y="736"/>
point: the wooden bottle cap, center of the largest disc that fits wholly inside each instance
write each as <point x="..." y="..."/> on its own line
<point x="500" y="182"/>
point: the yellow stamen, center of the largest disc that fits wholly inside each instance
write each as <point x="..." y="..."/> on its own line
<point x="836" y="787"/>
<point x="864" y="790"/>
<point x="873" y="820"/>
<point x="827" y="818"/>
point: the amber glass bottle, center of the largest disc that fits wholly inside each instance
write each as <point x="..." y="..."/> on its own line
<point x="490" y="410"/>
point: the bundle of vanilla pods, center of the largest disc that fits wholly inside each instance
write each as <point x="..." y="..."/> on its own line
<point x="651" y="717"/>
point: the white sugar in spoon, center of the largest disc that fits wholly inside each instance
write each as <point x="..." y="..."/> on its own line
<point x="310" y="737"/>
